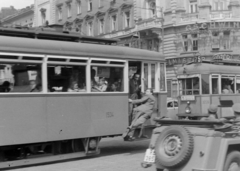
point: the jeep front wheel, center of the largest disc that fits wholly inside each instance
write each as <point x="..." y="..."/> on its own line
<point x="232" y="162"/>
<point x="174" y="146"/>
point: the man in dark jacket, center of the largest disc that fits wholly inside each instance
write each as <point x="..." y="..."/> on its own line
<point x="134" y="87"/>
<point x="141" y="113"/>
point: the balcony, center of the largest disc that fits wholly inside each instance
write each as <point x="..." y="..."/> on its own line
<point x="189" y="17"/>
<point x="221" y="15"/>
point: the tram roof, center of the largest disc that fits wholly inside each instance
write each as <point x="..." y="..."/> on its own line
<point x="51" y="47"/>
<point x="205" y="68"/>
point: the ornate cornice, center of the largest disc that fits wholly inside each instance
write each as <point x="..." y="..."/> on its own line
<point x="112" y="9"/>
<point x="100" y="13"/>
<point x="125" y="5"/>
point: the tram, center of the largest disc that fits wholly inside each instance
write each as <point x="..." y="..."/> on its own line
<point x="43" y="118"/>
<point x="202" y="84"/>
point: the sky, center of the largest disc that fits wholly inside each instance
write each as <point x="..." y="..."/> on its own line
<point x="18" y="4"/>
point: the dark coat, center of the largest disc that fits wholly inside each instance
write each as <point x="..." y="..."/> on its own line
<point x="134" y="89"/>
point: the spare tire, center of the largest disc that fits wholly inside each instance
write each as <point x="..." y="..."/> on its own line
<point x="174" y="146"/>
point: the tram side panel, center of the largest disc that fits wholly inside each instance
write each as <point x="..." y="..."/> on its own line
<point x="91" y="115"/>
<point x="23" y="119"/>
<point x="31" y="119"/>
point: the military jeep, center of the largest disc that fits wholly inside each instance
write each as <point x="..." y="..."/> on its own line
<point x="194" y="145"/>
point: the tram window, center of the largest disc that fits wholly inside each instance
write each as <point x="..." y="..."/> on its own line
<point x="205" y="84"/>
<point x="146" y="76"/>
<point x="227" y="83"/>
<point x="153" y="73"/>
<point x="175" y="104"/>
<point x="237" y="84"/>
<point x="66" y="78"/>
<point x="215" y="89"/>
<point x="182" y="87"/>
<point x="107" y="79"/>
<point x="20" y="77"/>
<point x="162" y="77"/>
<point x="170" y="105"/>
<point x="189" y="86"/>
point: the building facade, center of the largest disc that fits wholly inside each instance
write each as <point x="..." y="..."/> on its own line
<point x="182" y="30"/>
<point x="199" y="30"/>
<point x="23" y="17"/>
<point x="44" y="12"/>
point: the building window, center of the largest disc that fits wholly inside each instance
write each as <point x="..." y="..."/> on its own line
<point x="127" y="19"/>
<point x="215" y="40"/>
<point x="185" y="42"/>
<point x="226" y="40"/>
<point x="194" y="42"/>
<point x="152" y="8"/>
<point x="219" y="5"/>
<point x="79" y="11"/>
<point x="114" y="22"/>
<point x="59" y="13"/>
<point x="193" y="7"/>
<point x="90" y="29"/>
<point x="101" y="26"/>
<point x="79" y="28"/>
<point x="43" y="15"/>
<point x="90" y="5"/>
<point x="149" y="45"/>
<point x="69" y="8"/>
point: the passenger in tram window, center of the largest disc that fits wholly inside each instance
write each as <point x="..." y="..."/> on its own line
<point x="227" y="89"/>
<point x="195" y="85"/>
<point x="5" y="87"/>
<point x="102" y="85"/>
<point x="35" y="87"/>
<point x="73" y="87"/>
<point x="118" y="83"/>
<point x="114" y="87"/>
<point x="141" y="113"/>
<point x="134" y="87"/>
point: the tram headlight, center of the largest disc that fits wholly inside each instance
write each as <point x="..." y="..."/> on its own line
<point x="188" y="108"/>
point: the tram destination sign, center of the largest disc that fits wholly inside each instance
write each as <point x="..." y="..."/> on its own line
<point x="188" y="98"/>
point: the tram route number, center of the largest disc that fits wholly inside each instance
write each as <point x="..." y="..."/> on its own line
<point x="109" y="114"/>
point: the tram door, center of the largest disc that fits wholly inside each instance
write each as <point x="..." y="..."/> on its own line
<point x="147" y="73"/>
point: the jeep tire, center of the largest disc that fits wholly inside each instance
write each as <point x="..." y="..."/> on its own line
<point x="174" y="146"/>
<point x="232" y="161"/>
